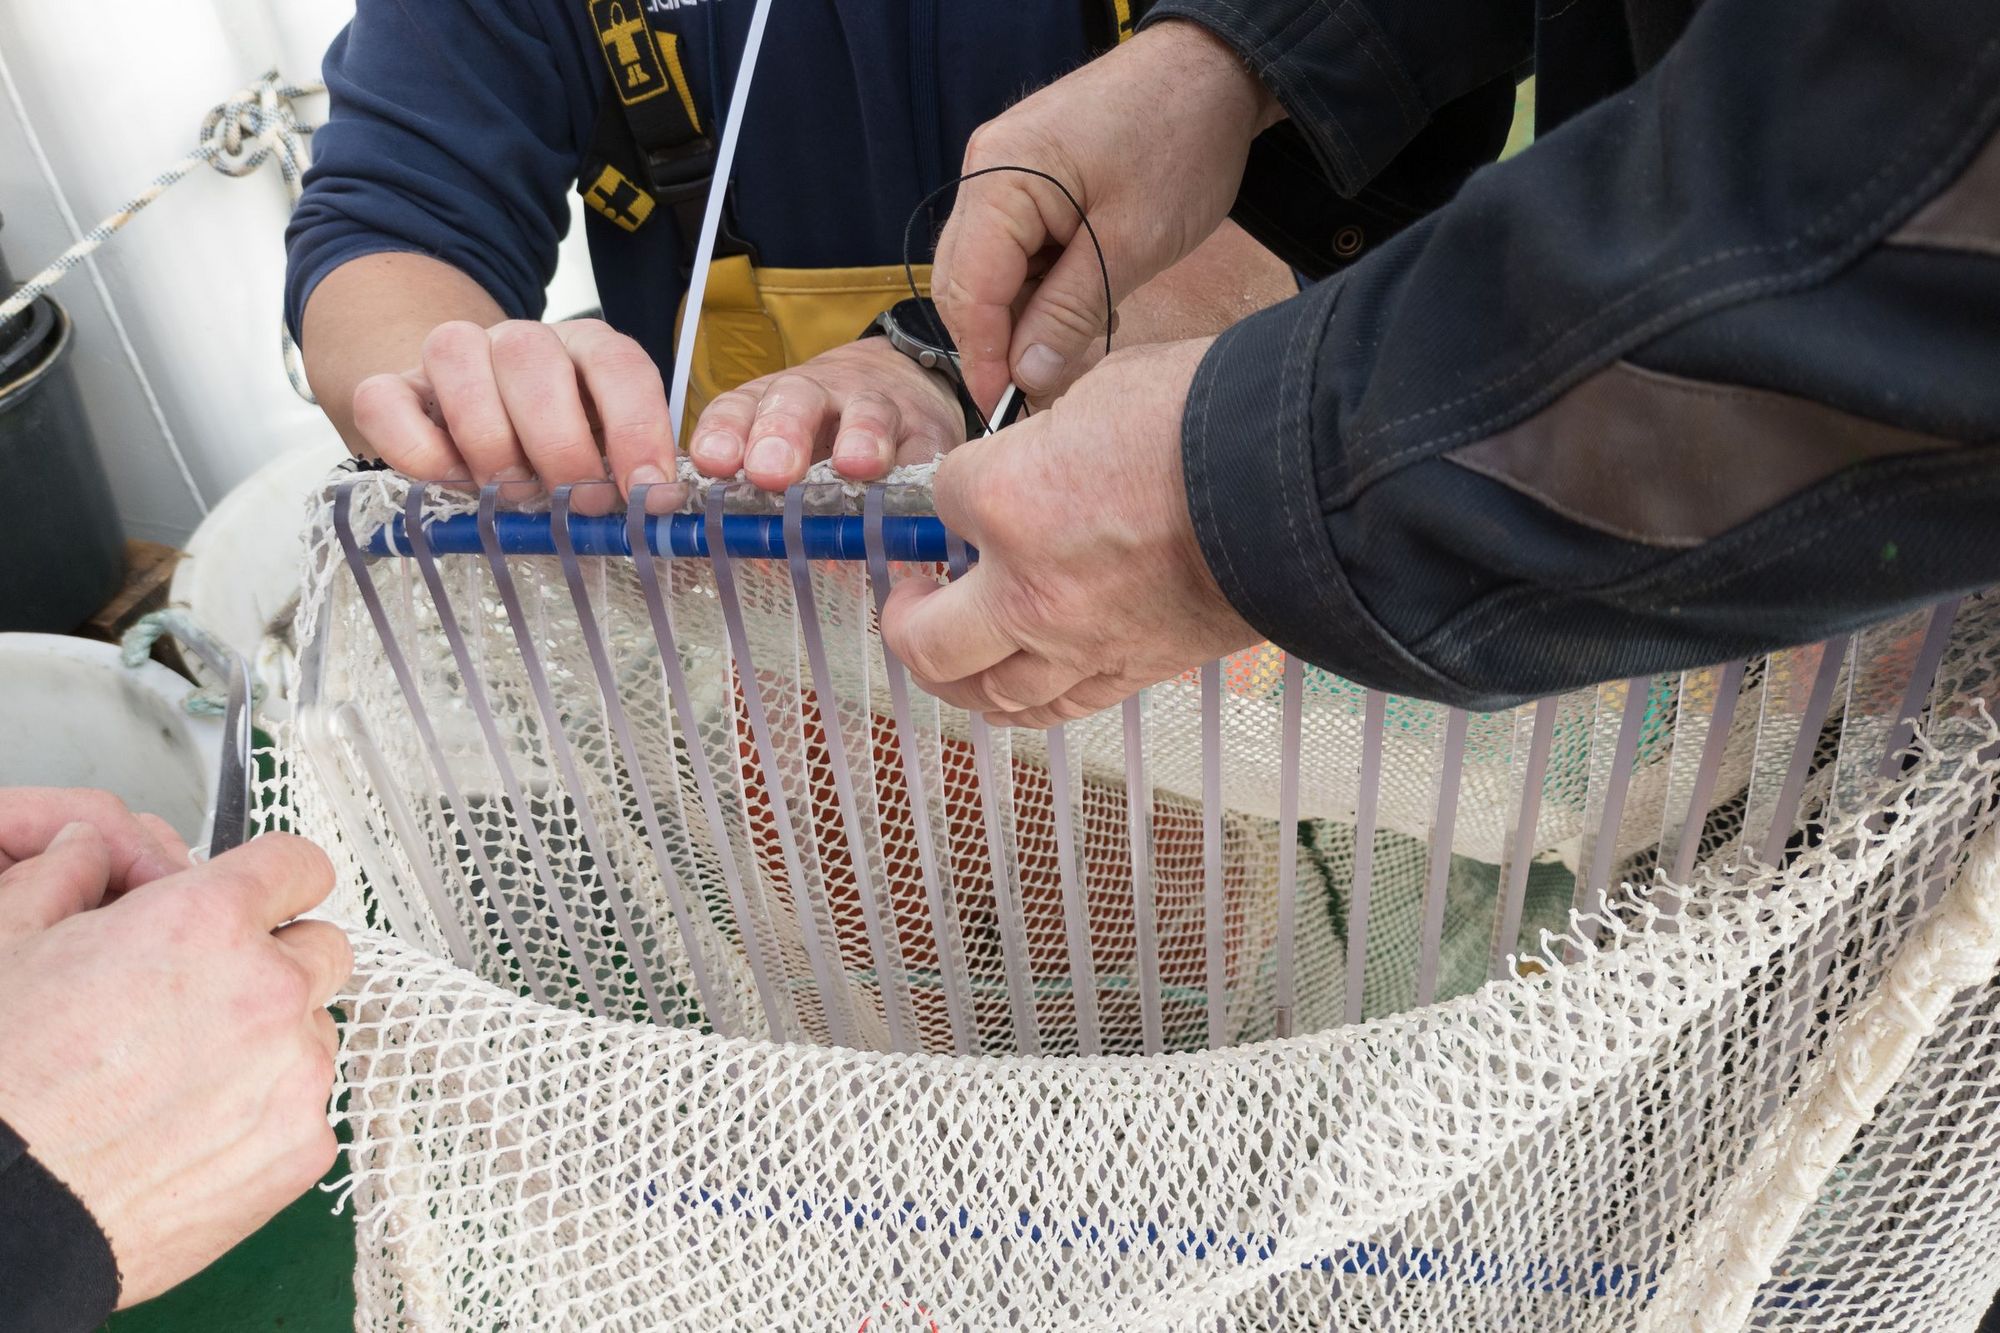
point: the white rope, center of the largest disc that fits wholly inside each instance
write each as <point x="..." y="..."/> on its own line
<point x="1713" y="1284"/>
<point x="238" y="135"/>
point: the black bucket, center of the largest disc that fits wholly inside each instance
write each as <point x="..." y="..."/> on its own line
<point x="62" y="551"/>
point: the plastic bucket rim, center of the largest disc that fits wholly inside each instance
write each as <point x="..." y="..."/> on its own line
<point x="44" y="353"/>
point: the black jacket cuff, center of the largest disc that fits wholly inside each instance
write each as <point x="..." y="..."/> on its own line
<point x="57" y="1272"/>
<point x="1247" y="449"/>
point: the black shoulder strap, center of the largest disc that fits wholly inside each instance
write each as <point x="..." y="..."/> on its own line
<point x="650" y="145"/>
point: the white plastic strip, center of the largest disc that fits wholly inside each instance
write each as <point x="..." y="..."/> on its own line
<point x="1285" y="991"/>
<point x="896" y="1011"/>
<point x="1786" y="809"/>
<point x="1367" y="803"/>
<point x="1521" y="856"/>
<point x="1214" y="904"/>
<point x="1145" y="904"/>
<point x="1451" y="767"/>
<point x="1006" y="897"/>
<point x="711" y="217"/>
<point x="834" y="999"/>
<point x="1076" y="925"/>
<point x="950" y="949"/>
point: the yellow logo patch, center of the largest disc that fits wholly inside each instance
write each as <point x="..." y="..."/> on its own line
<point x="613" y="195"/>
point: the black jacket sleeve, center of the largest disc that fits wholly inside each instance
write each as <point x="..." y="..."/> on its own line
<point x="1709" y="370"/>
<point x="57" y="1274"/>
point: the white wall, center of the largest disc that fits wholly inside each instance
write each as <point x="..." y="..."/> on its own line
<point x="114" y="92"/>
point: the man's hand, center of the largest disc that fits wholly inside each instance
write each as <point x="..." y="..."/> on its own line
<point x="520" y="400"/>
<point x="168" y="1056"/>
<point x="865" y="404"/>
<point x="1151" y="139"/>
<point x="1090" y="584"/>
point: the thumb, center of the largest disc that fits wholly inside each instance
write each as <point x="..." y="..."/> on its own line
<point x="1068" y="311"/>
<point x="70" y="876"/>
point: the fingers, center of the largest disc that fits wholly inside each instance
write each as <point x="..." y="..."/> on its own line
<point x="794" y="421"/>
<point x="168" y="837"/>
<point x="981" y="262"/>
<point x="945" y="634"/>
<point x="457" y="362"/>
<point x="272" y="878"/>
<point x="321" y="951"/>
<point x="1064" y="316"/>
<point x="143" y="848"/>
<point x="391" y="414"/>
<point x="630" y="401"/>
<point x="325" y="1032"/>
<point x="722" y="435"/>
<point x="538" y="390"/>
<point x="869" y="438"/>
<point x="1086" y="697"/>
<point x="70" y="876"/>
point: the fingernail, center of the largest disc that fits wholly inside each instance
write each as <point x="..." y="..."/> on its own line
<point x="659" y="498"/>
<point x="714" y="448"/>
<point x="70" y="833"/>
<point x="1039" y="368"/>
<point x="857" y="448"/>
<point x="769" y="454"/>
<point x="512" y="474"/>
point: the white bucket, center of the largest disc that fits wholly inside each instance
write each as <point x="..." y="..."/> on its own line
<point x="73" y="715"/>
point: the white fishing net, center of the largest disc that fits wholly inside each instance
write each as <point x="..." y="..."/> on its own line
<point x="694" y="1003"/>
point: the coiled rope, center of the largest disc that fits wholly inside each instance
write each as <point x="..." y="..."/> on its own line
<point x="254" y="125"/>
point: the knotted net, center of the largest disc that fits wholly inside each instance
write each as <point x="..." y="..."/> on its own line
<point x="712" y="976"/>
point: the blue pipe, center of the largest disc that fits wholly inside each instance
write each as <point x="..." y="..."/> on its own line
<point x="746" y="536"/>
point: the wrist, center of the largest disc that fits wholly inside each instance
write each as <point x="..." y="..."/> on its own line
<point x="1215" y="72"/>
<point x="913" y="387"/>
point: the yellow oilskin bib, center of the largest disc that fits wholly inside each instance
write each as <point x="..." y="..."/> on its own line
<point x="758" y="321"/>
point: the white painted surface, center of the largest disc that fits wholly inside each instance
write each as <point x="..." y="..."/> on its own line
<point x="114" y="92"/>
<point x="73" y="715"/>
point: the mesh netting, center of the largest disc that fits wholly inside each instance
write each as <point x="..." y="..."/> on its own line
<point x="711" y="976"/>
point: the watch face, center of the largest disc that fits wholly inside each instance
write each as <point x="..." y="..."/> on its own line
<point x="916" y="322"/>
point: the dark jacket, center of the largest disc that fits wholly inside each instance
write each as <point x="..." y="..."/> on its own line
<point x="57" y="1274"/>
<point x="1712" y="368"/>
<point x="457" y="129"/>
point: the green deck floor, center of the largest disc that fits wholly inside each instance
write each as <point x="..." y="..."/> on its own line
<point x="297" y="1274"/>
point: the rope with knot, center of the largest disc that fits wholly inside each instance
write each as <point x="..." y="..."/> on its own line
<point x="250" y="127"/>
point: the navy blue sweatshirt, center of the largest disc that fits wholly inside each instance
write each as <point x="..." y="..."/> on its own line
<point x="458" y="126"/>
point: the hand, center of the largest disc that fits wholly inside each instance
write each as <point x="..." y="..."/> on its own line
<point x="1090" y="583"/>
<point x="1151" y="139"/>
<point x="142" y="848"/>
<point x="523" y="400"/>
<point x="866" y="404"/>
<point x="169" y="1056"/>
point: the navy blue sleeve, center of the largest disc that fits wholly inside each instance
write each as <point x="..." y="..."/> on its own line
<point x="57" y="1272"/>
<point x="455" y="131"/>
<point x="1705" y="372"/>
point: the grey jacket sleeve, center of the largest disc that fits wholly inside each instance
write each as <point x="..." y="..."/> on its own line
<point x="1709" y="370"/>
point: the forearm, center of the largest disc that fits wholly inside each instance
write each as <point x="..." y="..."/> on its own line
<point x="371" y="315"/>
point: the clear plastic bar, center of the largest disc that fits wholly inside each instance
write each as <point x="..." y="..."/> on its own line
<point x="1705" y="714"/>
<point x="1521" y="844"/>
<point x="1076" y="924"/>
<point x="1776" y="821"/>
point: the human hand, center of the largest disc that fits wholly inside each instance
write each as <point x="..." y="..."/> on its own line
<point x="1090" y="583"/>
<point x="523" y="400"/>
<point x="142" y="848"/>
<point x="169" y="1056"/>
<point x="1151" y="138"/>
<point x="864" y="403"/>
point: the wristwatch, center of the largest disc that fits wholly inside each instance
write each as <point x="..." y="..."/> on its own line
<point x="914" y="328"/>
